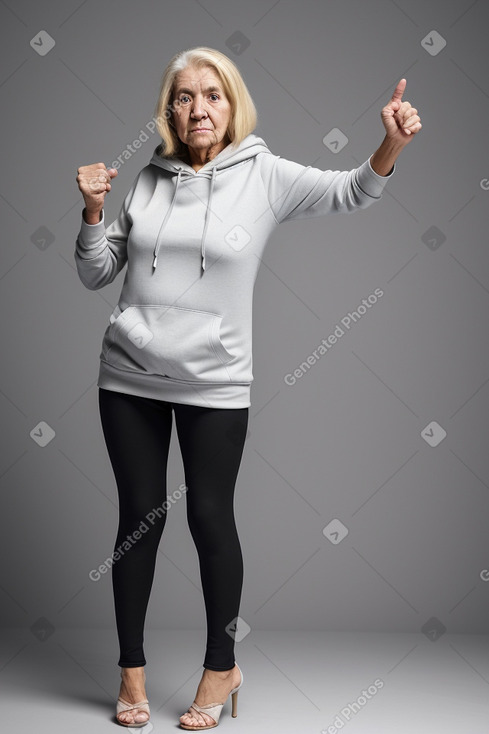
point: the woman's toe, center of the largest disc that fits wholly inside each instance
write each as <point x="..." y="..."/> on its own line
<point x="140" y="717"/>
<point x="133" y="717"/>
<point x="196" y="719"/>
<point x="188" y="719"/>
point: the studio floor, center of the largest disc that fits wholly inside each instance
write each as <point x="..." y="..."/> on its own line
<point x="294" y="682"/>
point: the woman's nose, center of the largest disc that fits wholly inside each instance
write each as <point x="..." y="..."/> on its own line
<point x="198" y="108"/>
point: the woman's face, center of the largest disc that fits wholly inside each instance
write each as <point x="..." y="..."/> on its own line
<point x="199" y="102"/>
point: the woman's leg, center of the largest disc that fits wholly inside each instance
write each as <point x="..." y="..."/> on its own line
<point x="211" y="442"/>
<point x="137" y="432"/>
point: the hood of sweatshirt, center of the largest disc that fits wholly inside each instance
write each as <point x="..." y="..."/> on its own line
<point x="228" y="157"/>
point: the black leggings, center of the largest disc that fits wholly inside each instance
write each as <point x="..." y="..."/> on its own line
<point x="137" y="433"/>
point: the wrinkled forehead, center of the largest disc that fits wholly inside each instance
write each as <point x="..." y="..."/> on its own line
<point x="196" y="79"/>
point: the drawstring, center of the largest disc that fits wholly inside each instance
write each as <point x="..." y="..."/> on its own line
<point x="209" y="200"/>
<point x="208" y="209"/>
<point x="158" y="241"/>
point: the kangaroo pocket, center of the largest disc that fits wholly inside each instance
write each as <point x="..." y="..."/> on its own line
<point x="172" y="341"/>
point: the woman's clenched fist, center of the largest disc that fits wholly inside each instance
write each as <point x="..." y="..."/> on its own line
<point x="94" y="182"/>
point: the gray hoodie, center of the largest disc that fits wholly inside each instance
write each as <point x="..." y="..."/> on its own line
<point x="193" y="243"/>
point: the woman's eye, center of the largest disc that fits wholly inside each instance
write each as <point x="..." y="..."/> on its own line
<point x="185" y="99"/>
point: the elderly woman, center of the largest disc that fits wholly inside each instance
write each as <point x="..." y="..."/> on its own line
<point x="192" y="230"/>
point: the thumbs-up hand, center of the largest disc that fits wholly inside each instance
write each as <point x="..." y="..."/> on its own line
<point x="400" y="119"/>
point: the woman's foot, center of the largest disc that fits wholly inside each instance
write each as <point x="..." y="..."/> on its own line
<point x="133" y="690"/>
<point x="214" y="687"/>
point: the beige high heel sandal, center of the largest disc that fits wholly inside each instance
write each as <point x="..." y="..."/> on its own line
<point x="214" y="709"/>
<point x="123" y="705"/>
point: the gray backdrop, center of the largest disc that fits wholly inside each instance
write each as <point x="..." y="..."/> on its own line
<point x="384" y="438"/>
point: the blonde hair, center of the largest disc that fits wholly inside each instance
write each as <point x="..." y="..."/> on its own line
<point x="243" y="118"/>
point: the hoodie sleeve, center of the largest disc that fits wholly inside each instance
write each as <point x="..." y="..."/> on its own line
<point x="100" y="252"/>
<point x="296" y="191"/>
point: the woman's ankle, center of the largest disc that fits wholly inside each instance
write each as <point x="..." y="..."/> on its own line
<point x="133" y="677"/>
<point x="221" y="673"/>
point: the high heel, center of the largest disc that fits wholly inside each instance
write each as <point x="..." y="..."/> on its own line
<point x="123" y="705"/>
<point x="214" y="709"/>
